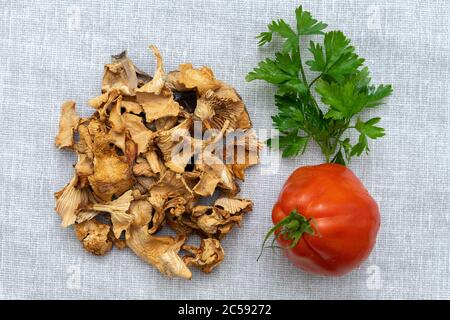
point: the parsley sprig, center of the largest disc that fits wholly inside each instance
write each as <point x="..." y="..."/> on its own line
<point x="342" y="83"/>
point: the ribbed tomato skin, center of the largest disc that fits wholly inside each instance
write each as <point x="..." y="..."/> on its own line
<point x="346" y="219"/>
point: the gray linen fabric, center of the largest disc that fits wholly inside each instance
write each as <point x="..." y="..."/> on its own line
<point x="51" y="51"/>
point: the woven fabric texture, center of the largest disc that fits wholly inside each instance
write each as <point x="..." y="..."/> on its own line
<point x="55" y="50"/>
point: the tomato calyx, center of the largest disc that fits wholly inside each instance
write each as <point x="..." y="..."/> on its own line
<point x="290" y="228"/>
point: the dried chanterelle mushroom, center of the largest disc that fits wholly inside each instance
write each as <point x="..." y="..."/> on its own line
<point x="141" y="165"/>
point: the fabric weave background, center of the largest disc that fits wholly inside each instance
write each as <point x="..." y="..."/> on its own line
<point x="55" y="50"/>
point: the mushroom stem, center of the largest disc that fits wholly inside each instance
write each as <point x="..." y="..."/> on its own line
<point x="220" y="134"/>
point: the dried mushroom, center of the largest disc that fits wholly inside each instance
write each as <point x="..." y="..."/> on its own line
<point x="207" y="257"/>
<point x="215" y="107"/>
<point x="120" y="74"/>
<point x="118" y="209"/>
<point x="94" y="236"/>
<point x="67" y="125"/>
<point x="218" y="220"/>
<point x="244" y="153"/>
<point x="139" y="133"/>
<point x="113" y="172"/>
<point x="142" y="165"/>
<point x="201" y="79"/>
<point x="69" y="200"/>
<point x="155" y="85"/>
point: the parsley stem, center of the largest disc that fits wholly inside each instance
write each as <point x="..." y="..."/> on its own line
<point x="314" y="81"/>
<point x="315" y="102"/>
<point x="302" y="70"/>
<point x="325" y="151"/>
<point x="305" y="80"/>
<point x="324" y="72"/>
<point x="326" y="148"/>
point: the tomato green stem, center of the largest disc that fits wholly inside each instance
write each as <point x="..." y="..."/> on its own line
<point x="291" y="229"/>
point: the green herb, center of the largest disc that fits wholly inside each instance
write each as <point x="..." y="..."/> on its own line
<point x="342" y="83"/>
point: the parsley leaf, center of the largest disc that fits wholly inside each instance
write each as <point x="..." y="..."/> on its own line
<point x="306" y="24"/>
<point x="360" y="147"/>
<point x="377" y="94"/>
<point x="345" y="99"/>
<point x="336" y="59"/>
<point x="292" y="86"/>
<point x="290" y="114"/>
<point x="264" y="37"/>
<point x="369" y="129"/>
<point x="278" y="71"/>
<point x="343" y="85"/>
<point x="291" y="144"/>
<point x="284" y="30"/>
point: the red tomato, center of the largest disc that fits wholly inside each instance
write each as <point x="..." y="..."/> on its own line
<point x="335" y="224"/>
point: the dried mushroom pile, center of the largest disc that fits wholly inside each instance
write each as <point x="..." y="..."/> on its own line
<point x="130" y="179"/>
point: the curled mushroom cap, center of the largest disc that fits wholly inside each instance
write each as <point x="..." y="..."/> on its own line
<point x="141" y="210"/>
<point x="84" y="144"/>
<point x="214" y="170"/>
<point x="84" y="168"/>
<point x="233" y="206"/>
<point x="112" y="172"/>
<point x="99" y="101"/>
<point x="219" y="219"/>
<point x="68" y="124"/>
<point x="177" y="138"/>
<point x="120" y="74"/>
<point x="155" y="163"/>
<point x="241" y="151"/>
<point x="155" y="98"/>
<point x="158" y="106"/>
<point x="214" y="108"/>
<point x="69" y="200"/>
<point x="131" y="105"/>
<point x="173" y="82"/>
<point x="120" y="217"/>
<point x="161" y="252"/>
<point x="207" y="257"/>
<point x="201" y="79"/>
<point x="115" y="119"/>
<point x="171" y="185"/>
<point x="142" y="168"/>
<point x="155" y="85"/>
<point x="139" y="133"/>
<point x="144" y="214"/>
<point x="94" y="236"/>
